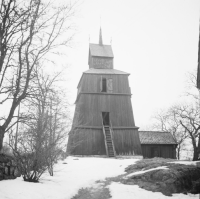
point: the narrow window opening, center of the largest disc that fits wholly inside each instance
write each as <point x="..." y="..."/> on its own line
<point x="104" y="85"/>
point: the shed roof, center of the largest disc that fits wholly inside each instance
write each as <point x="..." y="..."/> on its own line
<point x="101" y="50"/>
<point x="156" y="137"/>
<point x="105" y="71"/>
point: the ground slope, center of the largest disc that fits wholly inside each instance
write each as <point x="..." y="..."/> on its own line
<point x="85" y="178"/>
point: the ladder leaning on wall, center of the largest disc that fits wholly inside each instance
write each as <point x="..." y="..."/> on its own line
<point x="108" y="139"/>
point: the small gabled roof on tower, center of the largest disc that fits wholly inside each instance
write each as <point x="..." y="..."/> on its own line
<point x="97" y="50"/>
<point x="101" y="50"/>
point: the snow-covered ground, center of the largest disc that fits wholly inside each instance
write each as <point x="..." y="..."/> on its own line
<point x="79" y="173"/>
<point x="119" y="191"/>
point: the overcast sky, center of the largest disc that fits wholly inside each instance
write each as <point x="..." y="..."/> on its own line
<point x="156" y="41"/>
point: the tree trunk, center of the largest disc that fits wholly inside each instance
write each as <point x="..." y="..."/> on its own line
<point x="195" y="155"/>
<point x="198" y="148"/>
<point x="2" y="132"/>
<point x="195" y="148"/>
<point x="178" y="152"/>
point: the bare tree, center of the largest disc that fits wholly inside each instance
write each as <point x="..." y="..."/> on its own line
<point x="183" y="120"/>
<point x="29" y="30"/>
<point x="189" y="118"/>
<point x="168" y="122"/>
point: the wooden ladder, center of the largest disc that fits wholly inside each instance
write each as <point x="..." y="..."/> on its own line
<point x="108" y="138"/>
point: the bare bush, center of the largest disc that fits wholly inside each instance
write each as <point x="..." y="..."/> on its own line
<point x="42" y="137"/>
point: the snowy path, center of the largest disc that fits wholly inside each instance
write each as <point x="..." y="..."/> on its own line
<point x="78" y="173"/>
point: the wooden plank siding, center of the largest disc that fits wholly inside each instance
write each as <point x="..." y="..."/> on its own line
<point x="89" y="110"/>
<point x="91" y="83"/>
<point x="91" y="142"/>
<point x="86" y="136"/>
<point x="126" y="142"/>
<point x="164" y="151"/>
<point x="87" y="142"/>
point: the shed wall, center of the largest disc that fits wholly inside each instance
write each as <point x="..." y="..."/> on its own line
<point x="164" y="151"/>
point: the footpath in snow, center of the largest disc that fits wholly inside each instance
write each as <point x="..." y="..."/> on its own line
<point x="75" y="173"/>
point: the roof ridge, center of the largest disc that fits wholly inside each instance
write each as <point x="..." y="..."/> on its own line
<point x="156" y="131"/>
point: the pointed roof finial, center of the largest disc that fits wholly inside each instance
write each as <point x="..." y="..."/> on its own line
<point x="100" y="38"/>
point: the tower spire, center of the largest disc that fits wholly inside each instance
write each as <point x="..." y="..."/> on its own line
<point x="100" y="38"/>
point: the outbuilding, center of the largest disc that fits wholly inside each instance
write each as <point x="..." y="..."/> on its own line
<point x="157" y="144"/>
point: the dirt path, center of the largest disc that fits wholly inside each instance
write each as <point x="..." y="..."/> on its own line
<point x="98" y="192"/>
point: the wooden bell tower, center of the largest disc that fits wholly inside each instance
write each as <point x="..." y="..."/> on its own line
<point x="103" y="122"/>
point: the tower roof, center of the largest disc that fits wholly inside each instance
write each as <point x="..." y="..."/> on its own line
<point x="105" y="72"/>
<point x="101" y="50"/>
<point x="156" y="137"/>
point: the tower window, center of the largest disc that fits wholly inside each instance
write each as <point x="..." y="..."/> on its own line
<point x="104" y="85"/>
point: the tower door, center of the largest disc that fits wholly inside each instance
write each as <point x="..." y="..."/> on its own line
<point x="106" y="118"/>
